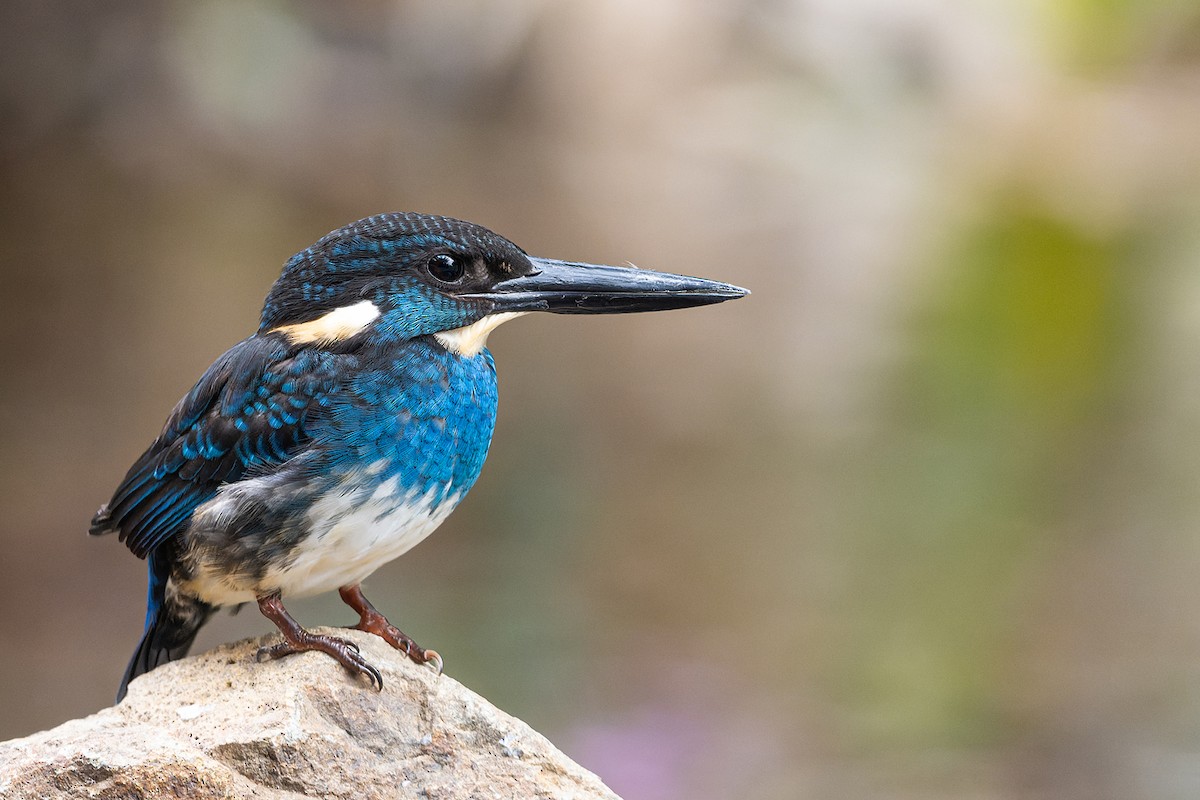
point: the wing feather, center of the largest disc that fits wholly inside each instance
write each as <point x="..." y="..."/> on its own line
<point x="249" y="411"/>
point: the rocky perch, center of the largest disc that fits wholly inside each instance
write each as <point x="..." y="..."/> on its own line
<point x="221" y="725"/>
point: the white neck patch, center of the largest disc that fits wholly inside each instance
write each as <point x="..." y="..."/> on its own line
<point x="470" y="340"/>
<point x="336" y="326"/>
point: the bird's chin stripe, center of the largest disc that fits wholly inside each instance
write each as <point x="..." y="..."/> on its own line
<point x="336" y="326"/>
<point x="470" y="340"/>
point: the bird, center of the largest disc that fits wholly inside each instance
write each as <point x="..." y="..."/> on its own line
<point x="345" y="429"/>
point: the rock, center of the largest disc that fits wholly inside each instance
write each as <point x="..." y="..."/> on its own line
<point x="221" y="725"/>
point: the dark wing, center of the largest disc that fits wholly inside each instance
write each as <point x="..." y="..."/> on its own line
<point x="248" y="412"/>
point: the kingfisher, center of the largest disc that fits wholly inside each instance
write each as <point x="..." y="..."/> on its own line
<point x="346" y="428"/>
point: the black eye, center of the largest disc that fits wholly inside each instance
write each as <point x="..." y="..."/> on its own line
<point x="446" y="269"/>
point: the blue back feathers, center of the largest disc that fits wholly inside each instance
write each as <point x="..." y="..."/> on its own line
<point x="250" y="410"/>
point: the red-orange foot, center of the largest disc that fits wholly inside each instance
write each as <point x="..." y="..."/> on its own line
<point x="371" y="621"/>
<point x="297" y="640"/>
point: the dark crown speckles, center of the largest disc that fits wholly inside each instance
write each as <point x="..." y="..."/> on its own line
<point x="336" y="269"/>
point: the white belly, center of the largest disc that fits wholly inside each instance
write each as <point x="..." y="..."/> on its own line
<point x="351" y="536"/>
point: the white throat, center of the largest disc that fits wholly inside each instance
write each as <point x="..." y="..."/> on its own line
<point x="470" y="340"/>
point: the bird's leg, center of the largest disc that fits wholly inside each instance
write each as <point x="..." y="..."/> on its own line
<point x="296" y="640"/>
<point x="371" y="621"/>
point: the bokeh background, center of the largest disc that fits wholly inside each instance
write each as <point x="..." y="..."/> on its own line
<point x="918" y="519"/>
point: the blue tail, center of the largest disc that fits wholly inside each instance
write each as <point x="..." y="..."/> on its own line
<point x="170" y="627"/>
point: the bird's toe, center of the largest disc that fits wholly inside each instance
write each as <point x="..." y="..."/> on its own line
<point x="434" y="659"/>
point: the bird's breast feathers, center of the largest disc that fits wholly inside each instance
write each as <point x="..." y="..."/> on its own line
<point x="354" y="533"/>
<point x="346" y="532"/>
<point x="396" y="447"/>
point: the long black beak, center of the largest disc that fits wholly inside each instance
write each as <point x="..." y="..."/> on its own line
<point x="564" y="287"/>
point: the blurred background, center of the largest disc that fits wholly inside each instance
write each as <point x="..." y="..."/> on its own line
<point x="918" y="519"/>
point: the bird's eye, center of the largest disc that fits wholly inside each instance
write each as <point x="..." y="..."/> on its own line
<point x="445" y="268"/>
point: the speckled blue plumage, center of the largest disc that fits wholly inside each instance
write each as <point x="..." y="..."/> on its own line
<point x="425" y="412"/>
<point x="406" y="408"/>
<point x="347" y="427"/>
<point x="280" y="440"/>
<point x="401" y="432"/>
<point x="267" y="399"/>
<point x="281" y="432"/>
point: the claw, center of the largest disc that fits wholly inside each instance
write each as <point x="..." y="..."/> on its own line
<point x="434" y="659"/>
<point x="343" y="651"/>
<point x="353" y="661"/>
<point x="369" y="669"/>
<point x="298" y="640"/>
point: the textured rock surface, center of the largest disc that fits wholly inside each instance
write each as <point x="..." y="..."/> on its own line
<point x="222" y="725"/>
